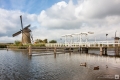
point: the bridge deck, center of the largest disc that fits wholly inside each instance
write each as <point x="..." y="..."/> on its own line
<point x="88" y="44"/>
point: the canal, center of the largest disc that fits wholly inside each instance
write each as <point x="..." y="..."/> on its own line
<point x="17" y="65"/>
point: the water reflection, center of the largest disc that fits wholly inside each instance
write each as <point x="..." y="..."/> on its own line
<point x="18" y="65"/>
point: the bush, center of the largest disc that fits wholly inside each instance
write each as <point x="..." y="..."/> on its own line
<point x="39" y="45"/>
<point x="53" y="41"/>
<point x="18" y="43"/>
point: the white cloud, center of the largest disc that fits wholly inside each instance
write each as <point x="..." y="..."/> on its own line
<point x="88" y="15"/>
<point x="6" y="39"/>
<point x="10" y="23"/>
<point x="63" y="18"/>
<point x="60" y="15"/>
<point x="99" y="8"/>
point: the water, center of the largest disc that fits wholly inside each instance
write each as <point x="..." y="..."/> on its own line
<point x="17" y="65"/>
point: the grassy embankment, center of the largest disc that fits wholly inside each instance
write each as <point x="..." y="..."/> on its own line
<point x="35" y="46"/>
<point x="20" y="46"/>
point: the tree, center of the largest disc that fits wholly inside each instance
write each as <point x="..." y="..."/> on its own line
<point x="17" y="42"/>
<point x="53" y="41"/>
<point x="45" y="41"/>
<point x="38" y="41"/>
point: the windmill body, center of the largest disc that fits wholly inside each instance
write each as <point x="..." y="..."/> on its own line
<point x="26" y="34"/>
<point x="26" y="38"/>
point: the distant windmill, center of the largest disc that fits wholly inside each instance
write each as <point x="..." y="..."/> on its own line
<point x="116" y="39"/>
<point x="26" y="35"/>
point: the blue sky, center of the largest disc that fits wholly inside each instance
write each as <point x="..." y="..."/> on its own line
<point x="28" y="6"/>
<point x="52" y="18"/>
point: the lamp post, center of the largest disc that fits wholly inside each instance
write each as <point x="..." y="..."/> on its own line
<point x="106" y="38"/>
<point x="115" y="33"/>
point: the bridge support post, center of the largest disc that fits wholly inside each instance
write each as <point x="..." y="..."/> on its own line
<point x="86" y="50"/>
<point x="64" y="49"/>
<point x="30" y="50"/>
<point x="105" y="50"/>
<point x="79" y="49"/>
<point x="70" y="49"/>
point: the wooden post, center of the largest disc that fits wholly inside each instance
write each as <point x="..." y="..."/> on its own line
<point x="101" y="50"/>
<point x="64" y="49"/>
<point x="30" y="50"/>
<point x="116" y="51"/>
<point x="54" y="55"/>
<point x="54" y="50"/>
<point x="79" y="49"/>
<point x="7" y="48"/>
<point x="70" y="50"/>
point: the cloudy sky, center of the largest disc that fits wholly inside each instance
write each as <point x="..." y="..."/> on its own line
<point x="52" y="18"/>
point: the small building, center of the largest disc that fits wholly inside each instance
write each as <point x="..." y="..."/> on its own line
<point x="116" y="39"/>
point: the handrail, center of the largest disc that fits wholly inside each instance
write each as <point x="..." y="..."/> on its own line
<point x="86" y="44"/>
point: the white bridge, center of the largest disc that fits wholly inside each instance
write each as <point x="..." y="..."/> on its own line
<point x="81" y="40"/>
<point x="83" y="44"/>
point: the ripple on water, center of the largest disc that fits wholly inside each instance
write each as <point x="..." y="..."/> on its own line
<point x="16" y="65"/>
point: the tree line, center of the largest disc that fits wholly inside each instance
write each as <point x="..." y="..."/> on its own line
<point x="45" y="41"/>
<point x="37" y="41"/>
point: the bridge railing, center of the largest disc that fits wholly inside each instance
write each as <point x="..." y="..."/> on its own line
<point x="84" y="44"/>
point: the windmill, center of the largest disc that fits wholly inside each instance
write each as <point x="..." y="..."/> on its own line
<point x="26" y="33"/>
<point x="116" y="39"/>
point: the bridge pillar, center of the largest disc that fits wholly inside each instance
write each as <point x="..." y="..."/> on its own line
<point x="105" y="50"/>
<point x="86" y="50"/>
<point x="79" y="49"/>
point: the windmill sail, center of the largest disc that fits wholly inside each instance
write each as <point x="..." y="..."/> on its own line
<point x="17" y="33"/>
<point x="27" y="26"/>
<point x="31" y="37"/>
<point x="21" y="22"/>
